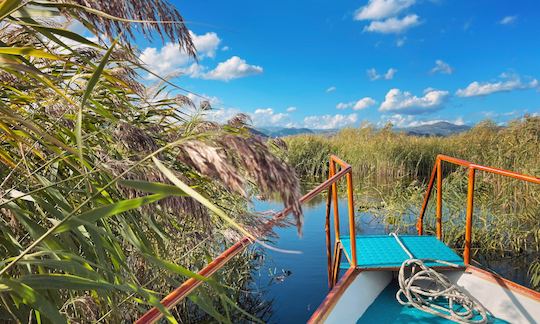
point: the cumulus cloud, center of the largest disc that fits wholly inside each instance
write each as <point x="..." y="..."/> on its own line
<point x="331" y="89"/>
<point x="170" y="57"/>
<point x="442" y="67"/>
<point x="379" y="9"/>
<point x="233" y="68"/>
<point x="508" y="82"/>
<point x="508" y="20"/>
<point x="407" y="103"/>
<point x="221" y="115"/>
<point x="393" y="25"/>
<point x="291" y="109"/>
<point x="374" y="75"/>
<point x="357" y="105"/>
<point x="330" y="121"/>
<point x="268" y="117"/>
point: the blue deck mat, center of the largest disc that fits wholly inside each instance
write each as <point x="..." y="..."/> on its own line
<point x="383" y="251"/>
<point x="386" y="309"/>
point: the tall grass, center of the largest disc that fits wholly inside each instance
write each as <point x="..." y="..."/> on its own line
<point x="393" y="168"/>
<point x="113" y="192"/>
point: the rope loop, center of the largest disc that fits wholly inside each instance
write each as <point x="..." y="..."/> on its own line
<point x="432" y="292"/>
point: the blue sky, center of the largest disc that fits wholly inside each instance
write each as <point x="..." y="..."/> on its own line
<point x="331" y="64"/>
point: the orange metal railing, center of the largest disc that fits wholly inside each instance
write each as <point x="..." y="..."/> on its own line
<point x="437" y="172"/>
<point x="335" y="258"/>
<point x="173" y="298"/>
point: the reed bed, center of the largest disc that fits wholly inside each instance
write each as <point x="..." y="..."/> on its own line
<point x="113" y="192"/>
<point x="391" y="170"/>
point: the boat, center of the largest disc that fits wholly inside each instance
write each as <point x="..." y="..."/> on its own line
<point x="372" y="288"/>
<point x="398" y="278"/>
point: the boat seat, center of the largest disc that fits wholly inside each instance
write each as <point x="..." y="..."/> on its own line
<point x="384" y="252"/>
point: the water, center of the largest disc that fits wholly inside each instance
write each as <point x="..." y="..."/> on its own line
<point x="296" y="284"/>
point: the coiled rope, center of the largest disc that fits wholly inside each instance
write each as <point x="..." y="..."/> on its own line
<point x="436" y="295"/>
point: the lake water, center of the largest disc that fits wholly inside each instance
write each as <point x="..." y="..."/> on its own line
<point x="295" y="284"/>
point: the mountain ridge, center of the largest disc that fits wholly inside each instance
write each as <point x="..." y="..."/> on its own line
<point x="441" y="128"/>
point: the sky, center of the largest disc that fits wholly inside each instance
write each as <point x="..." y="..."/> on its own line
<point x="331" y="64"/>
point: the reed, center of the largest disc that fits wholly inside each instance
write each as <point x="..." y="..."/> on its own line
<point x="391" y="170"/>
<point x="113" y="192"/>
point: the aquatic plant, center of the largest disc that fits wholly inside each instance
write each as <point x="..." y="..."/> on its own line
<point x="391" y="169"/>
<point x="112" y="192"/>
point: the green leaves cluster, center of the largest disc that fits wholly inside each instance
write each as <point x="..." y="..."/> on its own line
<point x="99" y="215"/>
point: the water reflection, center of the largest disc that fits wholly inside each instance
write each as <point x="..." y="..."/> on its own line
<point x="296" y="284"/>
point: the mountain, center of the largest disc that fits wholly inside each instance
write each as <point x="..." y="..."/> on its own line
<point x="284" y="131"/>
<point x="436" y="129"/>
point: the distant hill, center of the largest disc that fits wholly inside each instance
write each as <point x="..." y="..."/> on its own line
<point x="436" y="129"/>
<point x="284" y="131"/>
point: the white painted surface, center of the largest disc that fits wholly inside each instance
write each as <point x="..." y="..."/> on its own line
<point x="503" y="303"/>
<point x="500" y="301"/>
<point x="359" y="296"/>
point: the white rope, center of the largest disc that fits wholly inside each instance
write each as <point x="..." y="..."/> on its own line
<point x="436" y="290"/>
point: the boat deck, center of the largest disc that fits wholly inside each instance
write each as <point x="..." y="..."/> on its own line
<point x="386" y="309"/>
<point x="384" y="252"/>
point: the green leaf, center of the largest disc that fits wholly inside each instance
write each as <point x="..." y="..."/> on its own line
<point x="197" y="196"/>
<point x="67" y="281"/>
<point x="32" y="298"/>
<point x="7" y="7"/>
<point x="108" y="210"/>
<point x="28" y="51"/>
<point x="89" y="88"/>
<point x="153" y="187"/>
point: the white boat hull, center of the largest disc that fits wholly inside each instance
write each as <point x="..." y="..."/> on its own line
<point x="359" y="289"/>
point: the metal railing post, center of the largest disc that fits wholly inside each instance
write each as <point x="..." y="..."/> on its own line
<point x="328" y="235"/>
<point x="335" y="198"/>
<point x="439" y="199"/>
<point x="352" y="228"/>
<point x="420" y="222"/>
<point x="468" y="223"/>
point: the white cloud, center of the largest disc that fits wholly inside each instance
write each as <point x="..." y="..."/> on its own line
<point x="379" y="9"/>
<point x="267" y="117"/>
<point x="509" y="82"/>
<point x="442" y="67"/>
<point x="171" y="58"/>
<point x="357" y="105"/>
<point x="393" y="25"/>
<point x="508" y="20"/>
<point x="206" y="44"/>
<point x="374" y="75"/>
<point x="330" y="121"/>
<point x="389" y="75"/>
<point x="404" y="121"/>
<point x="291" y="109"/>
<point x="225" y="48"/>
<point x="401" y="41"/>
<point x="233" y="68"/>
<point x="344" y="105"/>
<point x="405" y="102"/>
<point x="222" y="115"/>
<point x="364" y="103"/>
<point x="331" y="89"/>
